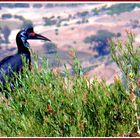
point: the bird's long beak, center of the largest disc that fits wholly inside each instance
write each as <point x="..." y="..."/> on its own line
<point x="37" y="36"/>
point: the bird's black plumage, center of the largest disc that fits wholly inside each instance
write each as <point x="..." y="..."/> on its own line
<point x="14" y="63"/>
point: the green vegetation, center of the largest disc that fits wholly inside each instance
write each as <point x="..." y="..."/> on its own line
<point x="26" y="23"/>
<point x="37" y="5"/>
<point x="45" y="103"/>
<point x="83" y="14"/>
<point x="95" y="11"/>
<point x="15" y="5"/>
<point x="122" y="7"/>
<point x="6" y="16"/>
<point x="101" y="40"/>
<point x="49" y="21"/>
<point x="19" y="17"/>
<point x="50" y="47"/>
<point x="127" y="57"/>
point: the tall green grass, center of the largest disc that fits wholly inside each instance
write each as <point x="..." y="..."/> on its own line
<point x="46" y="104"/>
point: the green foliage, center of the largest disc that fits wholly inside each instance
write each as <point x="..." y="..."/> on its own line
<point x="21" y="5"/>
<point x="83" y="14"/>
<point x="26" y="23"/>
<point x="37" y="5"/>
<point x="50" y="47"/>
<point x="95" y="11"/>
<point x="101" y="38"/>
<point x="19" y="17"/>
<point x="6" y="16"/>
<point x="46" y="104"/>
<point x="127" y="57"/>
<point x="49" y="21"/>
<point x="122" y="7"/>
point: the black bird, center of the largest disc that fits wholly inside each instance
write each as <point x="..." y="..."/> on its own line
<point x="14" y="63"/>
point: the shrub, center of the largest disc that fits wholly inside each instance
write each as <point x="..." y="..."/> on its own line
<point x="19" y="17"/>
<point x="26" y="23"/>
<point x="122" y="7"/>
<point x="50" y="47"/>
<point x="101" y="39"/>
<point x="37" y="5"/>
<point x="46" y="104"/>
<point x="21" y="5"/>
<point x="6" y="16"/>
<point x="83" y="14"/>
<point x="49" y="21"/>
<point x="127" y="57"/>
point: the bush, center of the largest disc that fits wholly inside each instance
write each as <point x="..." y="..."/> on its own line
<point x="95" y="11"/>
<point x="21" y="5"/>
<point x="26" y="23"/>
<point x="127" y="57"/>
<point x="50" y="47"/>
<point x="19" y="17"/>
<point x="101" y="39"/>
<point x="49" y="21"/>
<point x="37" y="5"/>
<point x="123" y="7"/>
<point x="83" y="14"/>
<point x="46" y="104"/>
<point x="6" y="16"/>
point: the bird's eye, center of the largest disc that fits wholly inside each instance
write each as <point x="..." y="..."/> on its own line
<point x="31" y="34"/>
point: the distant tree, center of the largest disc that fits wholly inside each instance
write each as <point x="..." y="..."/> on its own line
<point x="101" y="41"/>
<point x="6" y="32"/>
<point x="134" y="23"/>
<point x="37" y="5"/>
<point x="65" y="24"/>
<point x="7" y="5"/>
<point x="70" y="16"/>
<point x="49" y="5"/>
<point x="50" y="47"/>
<point x="83" y="14"/>
<point x="122" y="7"/>
<point x="79" y="22"/>
<point x="26" y="23"/>
<point x="19" y="17"/>
<point x="118" y="34"/>
<point x="56" y="31"/>
<point x="49" y="21"/>
<point x="95" y="11"/>
<point x="21" y="5"/>
<point x="6" y="16"/>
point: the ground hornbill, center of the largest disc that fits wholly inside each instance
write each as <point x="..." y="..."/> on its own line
<point x="14" y="63"/>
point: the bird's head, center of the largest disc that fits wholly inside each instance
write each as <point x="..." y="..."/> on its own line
<point x="32" y="35"/>
<point x="26" y="34"/>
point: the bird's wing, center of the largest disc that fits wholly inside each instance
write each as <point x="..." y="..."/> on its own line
<point x="3" y="61"/>
<point x="9" y="65"/>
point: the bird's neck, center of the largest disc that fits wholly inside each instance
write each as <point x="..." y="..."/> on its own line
<point x="23" y="51"/>
<point x="21" y="42"/>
